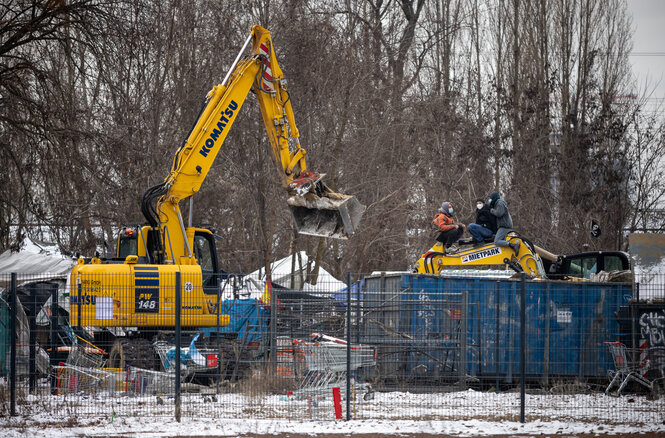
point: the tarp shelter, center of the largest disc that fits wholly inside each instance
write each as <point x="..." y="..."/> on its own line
<point x="282" y="273"/>
<point x="36" y="266"/>
<point x="34" y="262"/>
<point x="248" y="318"/>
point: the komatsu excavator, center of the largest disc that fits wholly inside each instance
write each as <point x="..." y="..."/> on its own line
<point x="526" y="259"/>
<point x="137" y="287"/>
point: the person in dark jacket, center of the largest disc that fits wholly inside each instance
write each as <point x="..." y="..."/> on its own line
<point x="485" y="225"/>
<point x="450" y="231"/>
<point x="504" y="223"/>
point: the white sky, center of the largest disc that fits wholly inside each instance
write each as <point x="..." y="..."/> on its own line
<point x="648" y="56"/>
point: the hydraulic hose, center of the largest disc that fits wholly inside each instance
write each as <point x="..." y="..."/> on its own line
<point x="151" y="215"/>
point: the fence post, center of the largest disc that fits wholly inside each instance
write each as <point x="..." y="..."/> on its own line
<point x="522" y="346"/>
<point x="178" y="308"/>
<point x="218" y="333"/>
<point x="463" y="338"/>
<point x="348" y="346"/>
<point x="633" y="316"/>
<point x="546" y="353"/>
<point x="273" y="328"/>
<point x="12" y="355"/>
<point x="497" y="352"/>
<point x="32" y="367"/>
<point x="358" y="314"/>
<point x="54" y="327"/>
<point x="78" y="298"/>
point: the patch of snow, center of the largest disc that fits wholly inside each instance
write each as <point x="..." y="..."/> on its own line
<point x="221" y="427"/>
<point x="475" y="273"/>
<point x="32" y="247"/>
<point x="281" y="269"/>
<point x="282" y="274"/>
<point x="464" y="413"/>
<point x="379" y="273"/>
<point x="325" y="283"/>
<point x="651" y="280"/>
<point x="35" y="261"/>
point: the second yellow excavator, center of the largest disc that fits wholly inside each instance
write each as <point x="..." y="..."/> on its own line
<point x="469" y="256"/>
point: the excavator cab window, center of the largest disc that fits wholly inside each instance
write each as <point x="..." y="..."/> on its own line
<point x="583" y="266"/>
<point x="205" y="253"/>
<point x="127" y="243"/>
<point x="591" y="262"/>
<point x="127" y="246"/>
<point x="129" y="240"/>
<point x="615" y="263"/>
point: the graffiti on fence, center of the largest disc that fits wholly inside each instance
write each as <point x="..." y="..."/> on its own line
<point x="652" y="329"/>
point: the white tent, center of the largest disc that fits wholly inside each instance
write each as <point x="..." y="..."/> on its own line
<point x="35" y="262"/>
<point x="282" y="274"/>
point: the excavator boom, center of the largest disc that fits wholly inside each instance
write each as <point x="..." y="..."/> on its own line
<point x="139" y="288"/>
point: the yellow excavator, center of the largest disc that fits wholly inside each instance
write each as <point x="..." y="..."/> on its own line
<point x="136" y="288"/>
<point x="478" y="256"/>
<point x="534" y="261"/>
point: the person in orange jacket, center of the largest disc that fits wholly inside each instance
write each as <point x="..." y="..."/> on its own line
<point x="450" y="231"/>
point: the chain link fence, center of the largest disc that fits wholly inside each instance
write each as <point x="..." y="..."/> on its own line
<point x="389" y="346"/>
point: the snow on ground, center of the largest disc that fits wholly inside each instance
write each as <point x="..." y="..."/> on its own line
<point x="464" y="413"/>
<point x="215" y="427"/>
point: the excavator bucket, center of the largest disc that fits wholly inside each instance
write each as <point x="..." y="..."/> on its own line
<point x="330" y="215"/>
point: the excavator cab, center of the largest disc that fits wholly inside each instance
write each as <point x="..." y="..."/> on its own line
<point x="136" y="241"/>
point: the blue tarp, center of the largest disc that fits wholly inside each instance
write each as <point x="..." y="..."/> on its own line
<point x="356" y="293"/>
<point x="246" y="315"/>
<point x="186" y="354"/>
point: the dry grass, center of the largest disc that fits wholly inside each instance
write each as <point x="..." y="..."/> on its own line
<point x="260" y="384"/>
<point x="5" y="399"/>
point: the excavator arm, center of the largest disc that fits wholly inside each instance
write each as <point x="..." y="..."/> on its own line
<point x="316" y="209"/>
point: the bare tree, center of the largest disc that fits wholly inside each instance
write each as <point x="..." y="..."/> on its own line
<point x="647" y="170"/>
<point x="402" y="103"/>
<point x="31" y="33"/>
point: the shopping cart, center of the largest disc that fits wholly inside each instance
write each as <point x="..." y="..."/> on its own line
<point x="192" y="359"/>
<point x="86" y="357"/>
<point x="83" y="370"/>
<point x="140" y="381"/>
<point x="626" y="370"/>
<point x="325" y="367"/>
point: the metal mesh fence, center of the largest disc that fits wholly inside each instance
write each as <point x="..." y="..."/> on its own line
<point x="389" y="346"/>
